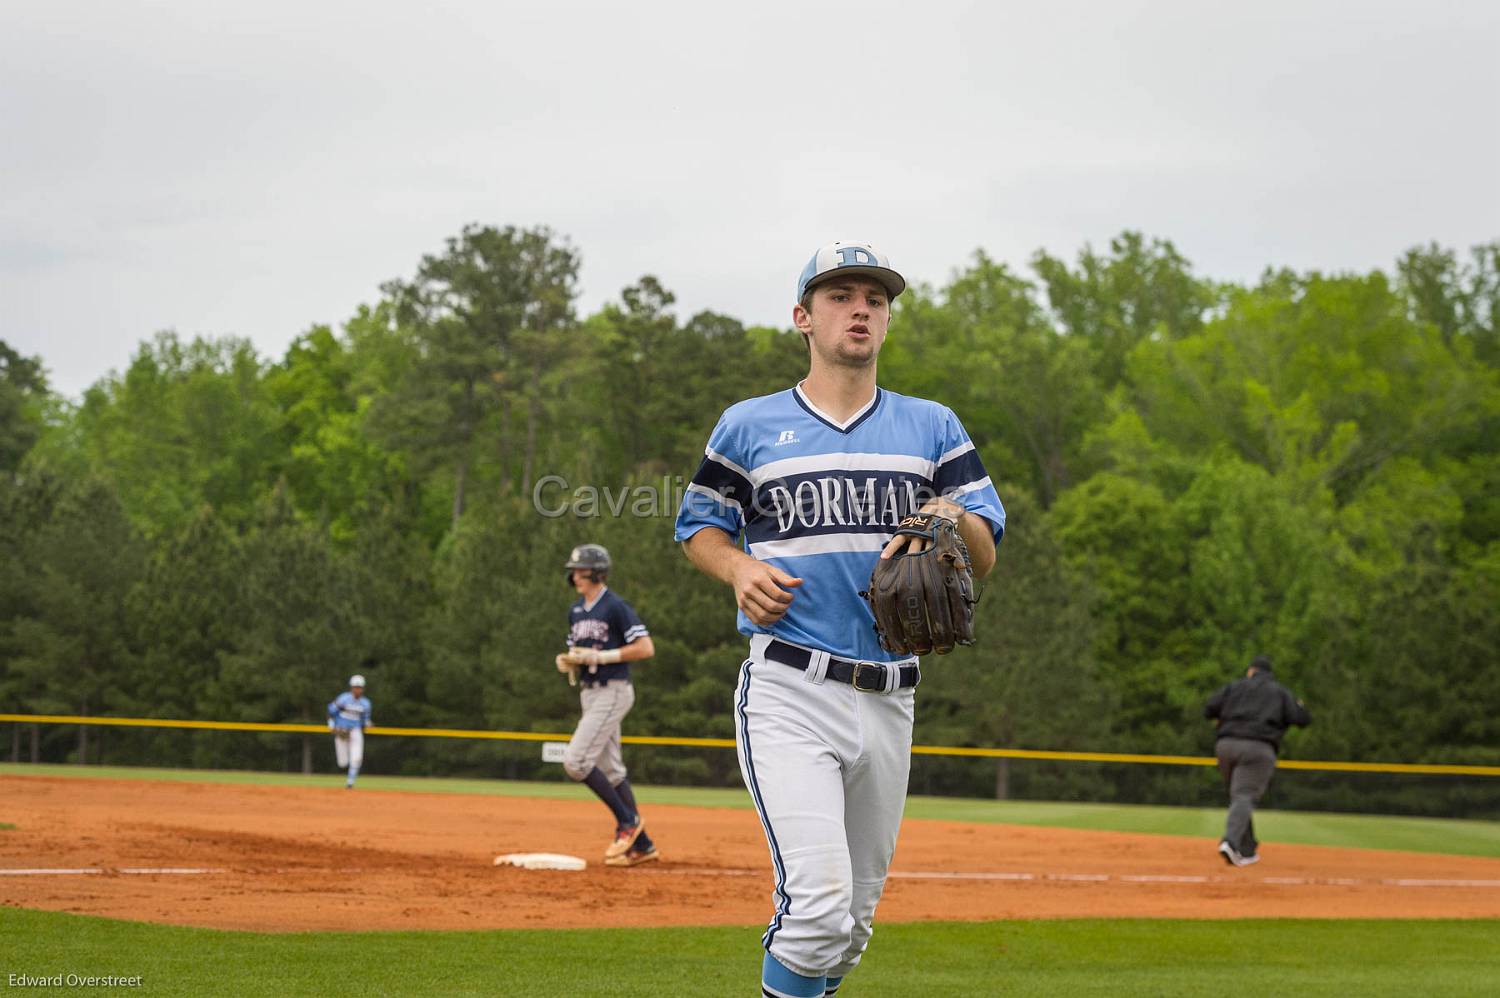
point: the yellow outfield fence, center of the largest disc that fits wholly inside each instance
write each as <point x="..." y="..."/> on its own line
<point x="941" y="750"/>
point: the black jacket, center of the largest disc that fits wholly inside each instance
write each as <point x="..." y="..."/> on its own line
<point x="1257" y="707"/>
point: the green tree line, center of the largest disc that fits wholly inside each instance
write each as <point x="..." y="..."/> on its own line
<point x="1196" y="471"/>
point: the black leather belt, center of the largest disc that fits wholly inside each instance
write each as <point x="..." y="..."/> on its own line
<point x="867" y="677"/>
<point x="602" y="682"/>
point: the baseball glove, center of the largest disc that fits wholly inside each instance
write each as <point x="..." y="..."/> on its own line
<point x="924" y="602"/>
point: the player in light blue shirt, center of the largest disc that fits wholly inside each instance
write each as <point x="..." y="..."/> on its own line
<point x="811" y="495"/>
<point x="798" y="495"/>
<point x="348" y="717"/>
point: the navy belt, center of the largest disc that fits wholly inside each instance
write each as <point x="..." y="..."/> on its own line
<point x="867" y="677"/>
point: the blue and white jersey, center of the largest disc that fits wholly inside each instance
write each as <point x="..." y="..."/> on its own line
<point x="349" y="712"/>
<point x="609" y="622"/>
<point x="819" y="499"/>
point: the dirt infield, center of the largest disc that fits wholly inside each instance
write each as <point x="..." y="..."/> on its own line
<point x="279" y="858"/>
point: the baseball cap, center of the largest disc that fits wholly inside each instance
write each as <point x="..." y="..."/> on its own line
<point x="850" y="259"/>
<point x="356" y="680"/>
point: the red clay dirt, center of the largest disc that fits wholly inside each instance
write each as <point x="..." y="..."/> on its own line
<point x="300" y="858"/>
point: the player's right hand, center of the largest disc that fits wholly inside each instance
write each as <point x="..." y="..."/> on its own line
<point x="761" y="590"/>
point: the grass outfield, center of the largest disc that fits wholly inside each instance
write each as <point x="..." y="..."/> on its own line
<point x="1361" y="831"/>
<point x="932" y="958"/>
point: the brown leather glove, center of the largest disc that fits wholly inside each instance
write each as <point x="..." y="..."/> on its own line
<point x="924" y="602"/>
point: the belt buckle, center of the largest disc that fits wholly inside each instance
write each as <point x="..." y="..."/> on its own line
<point x="876" y="670"/>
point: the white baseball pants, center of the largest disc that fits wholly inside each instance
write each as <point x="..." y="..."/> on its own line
<point x="349" y="747"/>
<point x="827" y="767"/>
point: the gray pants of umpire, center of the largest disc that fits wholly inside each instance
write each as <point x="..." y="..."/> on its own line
<point x="1246" y="766"/>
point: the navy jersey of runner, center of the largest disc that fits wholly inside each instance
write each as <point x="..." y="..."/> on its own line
<point x="609" y="623"/>
<point x="818" y="499"/>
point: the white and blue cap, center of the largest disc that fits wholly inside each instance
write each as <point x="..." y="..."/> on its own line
<point x="356" y="680"/>
<point x="850" y="259"/>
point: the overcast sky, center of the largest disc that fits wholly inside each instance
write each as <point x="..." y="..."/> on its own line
<point x="255" y="169"/>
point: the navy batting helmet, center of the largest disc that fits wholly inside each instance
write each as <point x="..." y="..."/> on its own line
<point x="589" y="556"/>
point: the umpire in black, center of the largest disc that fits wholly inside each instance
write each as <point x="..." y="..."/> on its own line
<point x="1251" y="714"/>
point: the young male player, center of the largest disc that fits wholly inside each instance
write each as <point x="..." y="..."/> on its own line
<point x="816" y="479"/>
<point x="604" y="635"/>
<point x="348" y="717"/>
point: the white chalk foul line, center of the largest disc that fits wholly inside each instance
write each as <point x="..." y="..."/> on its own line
<point x="1163" y="879"/>
<point x="941" y="875"/>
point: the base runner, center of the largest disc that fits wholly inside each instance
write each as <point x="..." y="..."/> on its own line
<point x="604" y="635"/>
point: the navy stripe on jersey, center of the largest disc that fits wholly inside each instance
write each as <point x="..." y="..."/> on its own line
<point x="958" y="468"/>
<point x="718" y="475"/>
<point x="785" y="903"/>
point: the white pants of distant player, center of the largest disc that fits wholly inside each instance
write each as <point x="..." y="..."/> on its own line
<point x="349" y="747"/>
<point x="827" y="766"/>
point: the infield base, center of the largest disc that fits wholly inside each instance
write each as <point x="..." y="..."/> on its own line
<point x="541" y="861"/>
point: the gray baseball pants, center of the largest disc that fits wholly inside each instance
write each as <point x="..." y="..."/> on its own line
<point x="1247" y="766"/>
<point x="596" y="740"/>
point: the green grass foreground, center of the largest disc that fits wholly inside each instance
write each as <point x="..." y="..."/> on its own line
<point x="1350" y="831"/>
<point x="1087" y="957"/>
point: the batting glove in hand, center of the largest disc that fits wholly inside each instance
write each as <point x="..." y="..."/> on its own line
<point x="568" y="665"/>
<point x="592" y="657"/>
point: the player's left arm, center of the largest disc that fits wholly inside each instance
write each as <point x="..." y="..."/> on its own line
<point x="965" y="495"/>
<point x="638" y="650"/>
<point x="977" y="532"/>
<point x="1295" y="710"/>
<point x="635" y="640"/>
